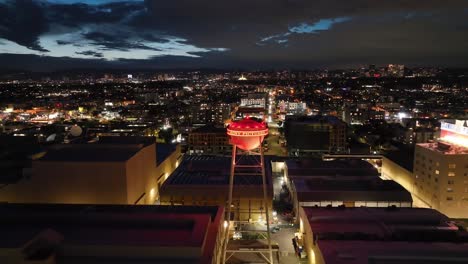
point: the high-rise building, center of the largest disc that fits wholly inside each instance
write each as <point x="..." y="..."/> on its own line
<point x="438" y="175"/>
<point x="441" y="170"/>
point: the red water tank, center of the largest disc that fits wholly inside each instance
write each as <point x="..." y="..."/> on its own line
<point x="248" y="133"/>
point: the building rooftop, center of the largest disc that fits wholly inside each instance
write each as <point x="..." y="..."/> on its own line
<point x="386" y="252"/>
<point x="349" y="190"/>
<point x="384" y="224"/>
<point x="126" y="140"/>
<point x="92" y="152"/>
<point x="338" y="167"/>
<point x="213" y="170"/>
<point x="445" y="148"/>
<point x="112" y="226"/>
<point x="386" y="235"/>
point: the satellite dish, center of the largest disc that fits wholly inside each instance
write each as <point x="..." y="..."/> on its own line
<point x="51" y="138"/>
<point x="76" y="131"/>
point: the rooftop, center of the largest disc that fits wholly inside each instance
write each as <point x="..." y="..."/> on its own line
<point x="445" y="148"/>
<point x="349" y="190"/>
<point x="126" y="140"/>
<point x="386" y="252"/>
<point x="212" y="170"/>
<point x="338" y="167"/>
<point x="110" y="226"/>
<point x="386" y="224"/>
<point x="92" y="152"/>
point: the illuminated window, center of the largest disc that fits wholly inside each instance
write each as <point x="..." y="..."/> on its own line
<point x="449" y="189"/>
<point x="451" y="174"/>
<point x="452" y="166"/>
<point x="437" y="172"/>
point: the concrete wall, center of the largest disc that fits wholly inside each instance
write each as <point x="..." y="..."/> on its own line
<point x="130" y="182"/>
<point x="70" y="182"/>
<point x="161" y="174"/>
<point x="397" y="173"/>
<point x="314" y="255"/>
<point x="139" y="172"/>
<point x="441" y="180"/>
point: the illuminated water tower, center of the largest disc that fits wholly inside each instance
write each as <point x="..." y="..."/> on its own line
<point x="247" y="136"/>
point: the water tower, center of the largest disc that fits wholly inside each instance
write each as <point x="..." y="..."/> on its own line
<point x="247" y="136"/>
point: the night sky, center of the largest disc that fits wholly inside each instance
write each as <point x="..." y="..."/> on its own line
<point x="248" y="34"/>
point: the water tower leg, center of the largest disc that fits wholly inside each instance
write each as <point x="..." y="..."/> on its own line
<point x="265" y="202"/>
<point x="229" y="203"/>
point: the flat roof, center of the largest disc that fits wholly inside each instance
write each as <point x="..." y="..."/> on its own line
<point x="387" y="224"/>
<point x="337" y="167"/>
<point x="453" y="150"/>
<point x="110" y="225"/>
<point x="390" y="252"/>
<point x="92" y="152"/>
<point x="349" y="190"/>
<point x="126" y="140"/>
<point x="213" y="170"/>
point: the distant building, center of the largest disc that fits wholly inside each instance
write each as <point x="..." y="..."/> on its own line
<point x="293" y="108"/>
<point x="204" y="180"/>
<point x="116" y="170"/>
<point x="209" y="140"/>
<point x="362" y="114"/>
<point x="318" y="134"/>
<point x="205" y="113"/>
<point x="418" y="135"/>
<point x="379" y="235"/>
<point x="53" y="233"/>
<point x="396" y="70"/>
<point x="256" y="100"/>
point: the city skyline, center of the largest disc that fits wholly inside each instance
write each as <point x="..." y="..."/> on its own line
<point x="61" y="34"/>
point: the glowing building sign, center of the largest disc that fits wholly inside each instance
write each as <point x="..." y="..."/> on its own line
<point x="455" y="133"/>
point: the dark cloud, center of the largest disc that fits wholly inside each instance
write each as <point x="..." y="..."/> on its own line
<point x="22" y="22"/>
<point x="398" y="31"/>
<point x="115" y="41"/>
<point x="91" y="53"/>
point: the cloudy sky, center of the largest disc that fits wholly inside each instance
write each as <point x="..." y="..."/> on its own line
<point x="250" y="34"/>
